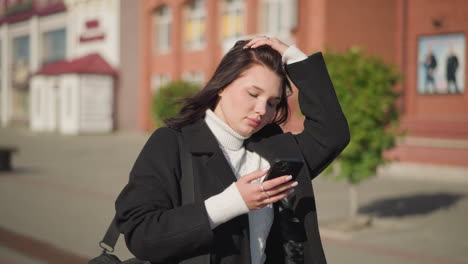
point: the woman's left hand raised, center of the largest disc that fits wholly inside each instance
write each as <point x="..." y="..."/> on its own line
<point x="274" y="43"/>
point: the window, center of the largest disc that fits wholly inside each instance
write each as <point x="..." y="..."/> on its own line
<point x="279" y="17"/>
<point x="233" y="19"/>
<point x="159" y="80"/>
<point x="54" y="46"/>
<point x="2" y="7"/>
<point x="194" y="77"/>
<point x="195" y="24"/>
<point x="162" y="28"/>
<point x="21" y="59"/>
<point x="20" y="78"/>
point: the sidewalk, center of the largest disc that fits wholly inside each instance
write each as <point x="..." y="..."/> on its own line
<point x="62" y="191"/>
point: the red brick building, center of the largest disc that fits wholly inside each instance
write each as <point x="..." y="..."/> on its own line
<point x="186" y="39"/>
<point x="437" y="123"/>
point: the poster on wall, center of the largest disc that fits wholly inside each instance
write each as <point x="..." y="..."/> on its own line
<point x="441" y="64"/>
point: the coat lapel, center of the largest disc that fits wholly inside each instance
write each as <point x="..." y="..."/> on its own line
<point x="202" y="143"/>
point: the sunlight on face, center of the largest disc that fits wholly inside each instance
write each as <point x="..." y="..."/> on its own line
<point x="250" y="102"/>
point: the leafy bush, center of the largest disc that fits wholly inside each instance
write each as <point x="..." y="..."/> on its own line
<point x="166" y="101"/>
<point x="365" y="88"/>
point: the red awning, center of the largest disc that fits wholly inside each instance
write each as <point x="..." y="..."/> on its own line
<point x="90" y="64"/>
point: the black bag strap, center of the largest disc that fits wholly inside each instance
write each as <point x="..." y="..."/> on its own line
<point x="187" y="190"/>
<point x="110" y="238"/>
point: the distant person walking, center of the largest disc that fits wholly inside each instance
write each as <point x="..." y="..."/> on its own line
<point x="452" y="66"/>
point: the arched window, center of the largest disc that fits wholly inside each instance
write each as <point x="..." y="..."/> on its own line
<point x="162" y="20"/>
<point x="279" y="17"/>
<point x="233" y="19"/>
<point x="195" y="26"/>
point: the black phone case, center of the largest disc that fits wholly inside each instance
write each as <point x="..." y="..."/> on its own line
<point x="285" y="167"/>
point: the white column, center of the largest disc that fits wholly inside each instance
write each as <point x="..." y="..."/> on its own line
<point x="292" y="14"/>
<point x="117" y="31"/>
<point x="71" y="32"/>
<point x="288" y="19"/>
<point x="34" y="59"/>
<point x="5" y="82"/>
<point x="271" y="27"/>
<point x="34" y="44"/>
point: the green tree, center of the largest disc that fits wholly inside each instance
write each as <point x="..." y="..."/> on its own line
<point x="167" y="100"/>
<point x="365" y="88"/>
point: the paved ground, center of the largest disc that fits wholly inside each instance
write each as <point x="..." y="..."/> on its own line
<point x="56" y="204"/>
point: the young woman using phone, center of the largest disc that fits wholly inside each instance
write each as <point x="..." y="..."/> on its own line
<point x="231" y="129"/>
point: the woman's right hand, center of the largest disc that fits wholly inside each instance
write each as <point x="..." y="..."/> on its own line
<point x="275" y="189"/>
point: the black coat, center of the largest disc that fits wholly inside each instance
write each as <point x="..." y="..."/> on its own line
<point x="158" y="229"/>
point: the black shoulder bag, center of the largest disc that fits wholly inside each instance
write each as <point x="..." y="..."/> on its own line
<point x="188" y="196"/>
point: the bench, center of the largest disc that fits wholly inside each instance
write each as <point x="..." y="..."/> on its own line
<point x="5" y="157"/>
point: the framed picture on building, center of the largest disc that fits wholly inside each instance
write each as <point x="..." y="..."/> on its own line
<point x="441" y="64"/>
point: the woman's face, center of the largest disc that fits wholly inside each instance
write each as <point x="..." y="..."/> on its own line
<point x="250" y="102"/>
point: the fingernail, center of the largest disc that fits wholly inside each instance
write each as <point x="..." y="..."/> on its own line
<point x="294" y="184"/>
<point x="290" y="191"/>
<point x="289" y="178"/>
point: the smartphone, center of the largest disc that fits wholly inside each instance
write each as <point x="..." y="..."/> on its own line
<point x="285" y="167"/>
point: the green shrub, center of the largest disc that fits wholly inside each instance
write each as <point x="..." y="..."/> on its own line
<point x="365" y="88"/>
<point x="166" y="101"/>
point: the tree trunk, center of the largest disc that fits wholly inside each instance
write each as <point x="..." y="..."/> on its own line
<point x="353" y="201"/>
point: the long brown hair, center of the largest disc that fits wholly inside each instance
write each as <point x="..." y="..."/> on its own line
<point x="233" y="64"/>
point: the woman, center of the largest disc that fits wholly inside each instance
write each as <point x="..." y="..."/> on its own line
<point x="231" y="130"/>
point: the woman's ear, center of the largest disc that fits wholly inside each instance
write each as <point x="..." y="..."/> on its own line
<point x="218" y="98"/>
<point x="220" y="93"/>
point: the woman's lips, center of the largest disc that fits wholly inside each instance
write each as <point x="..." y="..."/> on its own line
<point x="253" y="122"/>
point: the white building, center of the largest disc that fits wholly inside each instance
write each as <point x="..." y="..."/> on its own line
<point x="34" y="34"/>
<point x="73" y="97"/>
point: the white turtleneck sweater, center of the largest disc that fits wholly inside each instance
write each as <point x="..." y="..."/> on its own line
<point x="229" y="203"/>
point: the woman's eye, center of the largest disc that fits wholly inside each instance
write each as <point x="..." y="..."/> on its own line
<point x="270" y="104"/>
<point x="252" y="94"/>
